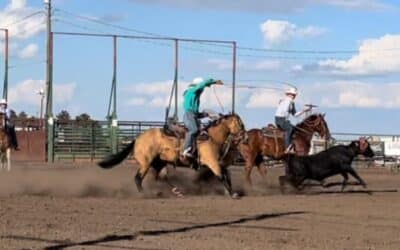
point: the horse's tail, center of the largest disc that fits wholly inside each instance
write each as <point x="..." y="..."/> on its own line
<point x="117" y="158"/>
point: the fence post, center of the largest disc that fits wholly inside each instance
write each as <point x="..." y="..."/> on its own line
<point x="114" y="135"/>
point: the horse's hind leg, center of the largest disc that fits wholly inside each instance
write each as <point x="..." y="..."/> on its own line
<point x="138" y="181"/>
<point x="249" y="167"/>
<point x="251" y="160"/>
<point x="262" y="170"/>
<point x="144" y="165"/>
<point x="159" y="166"/>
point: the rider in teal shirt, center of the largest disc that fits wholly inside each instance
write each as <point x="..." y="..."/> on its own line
<point x="191" y="105"/>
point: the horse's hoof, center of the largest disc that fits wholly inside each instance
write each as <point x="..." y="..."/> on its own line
<point x="178" y="193"/>
<point x="235" y="196"/>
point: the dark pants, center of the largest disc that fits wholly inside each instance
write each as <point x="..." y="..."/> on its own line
<point x="192" y="124"/>
<point x="13" y="135"/>
<point x="285" y="124"/>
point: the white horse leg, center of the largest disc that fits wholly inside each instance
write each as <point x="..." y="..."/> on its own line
<point x="8" y="156"/>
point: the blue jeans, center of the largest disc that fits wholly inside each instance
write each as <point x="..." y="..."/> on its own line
<point x="285" y="124"/>
<point x="192" y="124"/>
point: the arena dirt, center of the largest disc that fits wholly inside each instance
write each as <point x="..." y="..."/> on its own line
<point x="79" y="206"/>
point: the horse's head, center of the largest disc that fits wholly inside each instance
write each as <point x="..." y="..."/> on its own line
<point x="317" y="123"/>
<point x="234" y="124"/>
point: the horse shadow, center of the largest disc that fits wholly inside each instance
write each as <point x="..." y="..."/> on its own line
<point x="59" y="244"/>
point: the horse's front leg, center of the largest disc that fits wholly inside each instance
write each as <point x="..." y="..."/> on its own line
<point x="209" y="158"/>
<point x="226" y="181"/>
<point x="8" y="155"/>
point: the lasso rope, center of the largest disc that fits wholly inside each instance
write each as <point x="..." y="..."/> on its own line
<point x="218" y="100"/>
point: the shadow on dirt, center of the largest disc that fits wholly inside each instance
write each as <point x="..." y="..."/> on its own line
<point x="113" y="238"/>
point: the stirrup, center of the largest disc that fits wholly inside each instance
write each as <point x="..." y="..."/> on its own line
<point x="187" y="154"/>
<point x="289" y="149"/>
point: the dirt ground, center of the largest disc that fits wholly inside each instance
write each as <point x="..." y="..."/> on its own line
<point x="84" y="207"/>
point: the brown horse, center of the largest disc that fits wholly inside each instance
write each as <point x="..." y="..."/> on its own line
<point x="154" y="148"/>
<point x="272" y="145"/>
<point x="5" y="145"/>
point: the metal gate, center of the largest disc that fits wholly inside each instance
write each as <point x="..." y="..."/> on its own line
<point x="94" y="140"/>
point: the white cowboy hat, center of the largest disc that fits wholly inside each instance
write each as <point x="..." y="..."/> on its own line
<point x="291" y="91"/>
<point x="3" y="101"/>
<point x="196" y="81"/>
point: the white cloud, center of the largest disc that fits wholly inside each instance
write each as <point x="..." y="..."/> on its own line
<point x="358" y="4"/>
<point x="262" y="65"/>
<point x="262" y="6"/>
<point x="353" y="94"/>
<point x="279" y="31"/>
<point x="137" y="101"/>
<point x="26" y="92"/>
<point x="156" y="95"/>
<point x="29" y="51"/>
<point x="16" y="4"/>
<point x="264" y="99"/>
<point x="15" y="11"/>
<point x="63" y="92"/>
<point x="375" y="56"/>
<point x="339" y="94"/>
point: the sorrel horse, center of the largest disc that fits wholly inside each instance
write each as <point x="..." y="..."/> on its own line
<point x="154" y="148"/>
<point x="270" y="143"/>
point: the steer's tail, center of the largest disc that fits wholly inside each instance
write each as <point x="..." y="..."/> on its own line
<point x="286" y="157"/>
<point x="115" y="159"/>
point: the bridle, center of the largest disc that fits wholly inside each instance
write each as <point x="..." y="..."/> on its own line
<point x="313" y="125"/>
<point x="234" y="138"/>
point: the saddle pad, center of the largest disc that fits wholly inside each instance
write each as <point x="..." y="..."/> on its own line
<point x="179" y="131"/>
<point x="272" y="131"/>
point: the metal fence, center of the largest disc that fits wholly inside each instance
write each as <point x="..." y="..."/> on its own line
<point x="92" y="140"/>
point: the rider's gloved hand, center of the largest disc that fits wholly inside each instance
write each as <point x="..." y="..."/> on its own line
<point x="219" y="82"/>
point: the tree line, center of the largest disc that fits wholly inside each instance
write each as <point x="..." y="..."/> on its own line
<point x="62" y="116"/>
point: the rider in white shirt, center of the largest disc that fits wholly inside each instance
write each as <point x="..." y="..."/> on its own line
<point x="286" y="108"/>
<point x="9" y="126"/>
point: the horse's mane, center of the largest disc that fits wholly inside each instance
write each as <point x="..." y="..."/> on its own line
<point x="216" y="122"/>
<point x="311" y="117"/>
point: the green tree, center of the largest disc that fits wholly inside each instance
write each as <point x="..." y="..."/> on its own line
<point x="63" y="116"/>
<point x="83" y="120"/>
<point x="22" y="115"/>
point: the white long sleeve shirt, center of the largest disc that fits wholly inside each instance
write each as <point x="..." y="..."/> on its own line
<point x="285" y="108"/>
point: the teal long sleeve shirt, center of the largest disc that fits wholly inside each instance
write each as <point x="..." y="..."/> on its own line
<point x="192" y="95"/>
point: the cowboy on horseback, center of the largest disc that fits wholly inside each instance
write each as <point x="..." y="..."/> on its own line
<point x="286" y="108"/>
<point x="191" y="105"/>
<point x="10" y="129"/>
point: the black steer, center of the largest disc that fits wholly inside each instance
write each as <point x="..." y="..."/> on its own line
<point x="333" y="161"/>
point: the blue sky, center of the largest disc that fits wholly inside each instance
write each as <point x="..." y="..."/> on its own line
<point x="357" y="87"/>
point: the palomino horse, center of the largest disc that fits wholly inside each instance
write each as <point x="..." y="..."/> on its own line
<point x="273" y="146"/>
<point x="5" y="145"/>
<point x="154" y="148"/>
